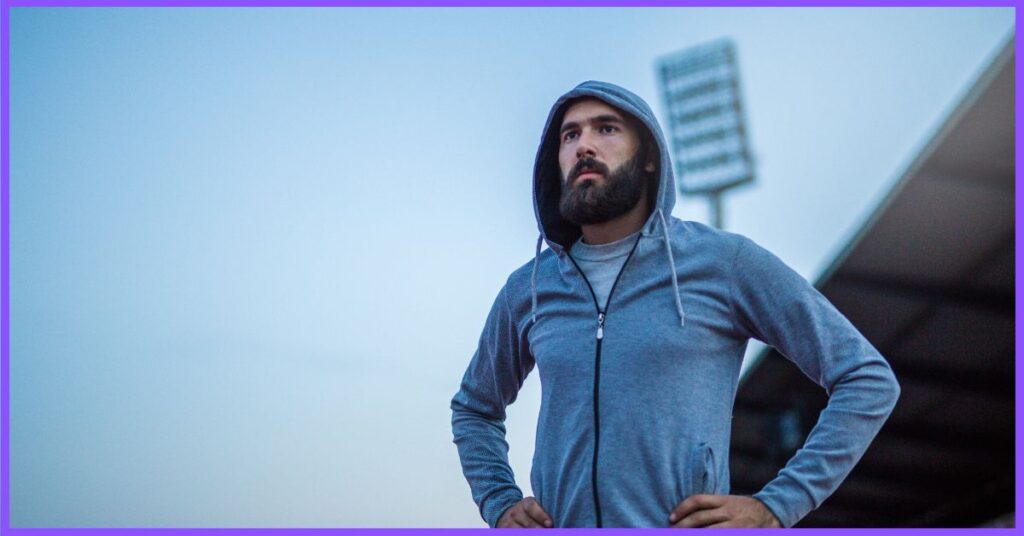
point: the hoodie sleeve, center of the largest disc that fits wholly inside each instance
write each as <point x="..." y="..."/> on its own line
<point x="491" y="383"/>
<point x="774" y="304"/>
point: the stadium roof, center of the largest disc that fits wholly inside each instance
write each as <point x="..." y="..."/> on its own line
<point x="929" y="280"/>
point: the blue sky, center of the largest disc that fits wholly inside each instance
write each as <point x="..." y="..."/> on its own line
<point x="252" y="249"/>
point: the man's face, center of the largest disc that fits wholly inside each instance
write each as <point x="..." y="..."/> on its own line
<point x="600" y="163"/>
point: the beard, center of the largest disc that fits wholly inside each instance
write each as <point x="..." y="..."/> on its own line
<point x="589" y="203"/>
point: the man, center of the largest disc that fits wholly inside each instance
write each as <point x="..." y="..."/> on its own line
<point x="637" y="323"/>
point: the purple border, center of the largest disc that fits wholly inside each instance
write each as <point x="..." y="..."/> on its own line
<point x="5" y="249"/>
<point x="507" y="3"/>
<point x="446" y="532"/>
<point x="5" y="6"/>
<point x="1017" y="271"/>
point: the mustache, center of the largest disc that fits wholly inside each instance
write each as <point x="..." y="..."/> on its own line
<point x="588" y="164"/>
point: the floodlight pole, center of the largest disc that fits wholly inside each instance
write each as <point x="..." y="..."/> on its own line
<point x="715" y="198"/>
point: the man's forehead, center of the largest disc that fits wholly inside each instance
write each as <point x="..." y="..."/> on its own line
<point x="587" y="107"/>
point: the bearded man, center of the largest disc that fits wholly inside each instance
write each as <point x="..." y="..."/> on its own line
<point x="637" y="323"/>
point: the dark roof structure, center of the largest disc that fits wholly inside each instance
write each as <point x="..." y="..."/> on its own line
<point x="929" y="280"/>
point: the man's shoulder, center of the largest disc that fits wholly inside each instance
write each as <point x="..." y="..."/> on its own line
<point x="705" y="238"/>
<point x="741" y="254"/>
<point x="519" y="280"/>
<point x="518" y="287"/>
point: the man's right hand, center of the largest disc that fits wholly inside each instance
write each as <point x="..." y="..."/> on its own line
<point x="526" y="513"/>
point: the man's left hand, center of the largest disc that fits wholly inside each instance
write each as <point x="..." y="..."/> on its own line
<point x="722" y="511"/>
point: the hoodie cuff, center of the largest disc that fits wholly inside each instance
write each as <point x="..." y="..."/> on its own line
<point x="494" y="506"/>
<point x="786" y="499"/>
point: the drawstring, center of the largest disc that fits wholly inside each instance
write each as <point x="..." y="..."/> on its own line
<point x="533" y="278"/>
<point x="672" y="264"/>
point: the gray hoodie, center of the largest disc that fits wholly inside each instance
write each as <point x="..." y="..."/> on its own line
<point x="637" y="399"/>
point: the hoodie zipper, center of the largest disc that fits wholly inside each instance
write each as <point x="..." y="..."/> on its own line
<point x="601" y="316"/>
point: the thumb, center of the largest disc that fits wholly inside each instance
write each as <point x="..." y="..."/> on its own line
<point x="534" y="510"/>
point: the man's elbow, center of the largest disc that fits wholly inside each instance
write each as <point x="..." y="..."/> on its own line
<point x="871" y="385"/>
<point x="891" y="390"/>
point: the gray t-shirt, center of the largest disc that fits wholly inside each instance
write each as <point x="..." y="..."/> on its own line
<point x="601" y="263"/>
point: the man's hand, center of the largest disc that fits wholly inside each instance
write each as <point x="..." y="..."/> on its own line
<point x="526" y="513"/>
<point x="722" y="511"/>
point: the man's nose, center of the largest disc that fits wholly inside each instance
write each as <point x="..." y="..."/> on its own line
<point x="584" y="146"/>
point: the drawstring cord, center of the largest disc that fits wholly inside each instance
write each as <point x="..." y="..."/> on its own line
<point x="533" y="278"/>
<point x="672" y="264"/>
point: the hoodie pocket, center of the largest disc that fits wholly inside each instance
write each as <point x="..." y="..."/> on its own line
<point x="703" y="469"/>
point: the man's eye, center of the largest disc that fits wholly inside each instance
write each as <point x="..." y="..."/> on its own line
<point x="608" y="128"/>
<point x="569" y="135"/>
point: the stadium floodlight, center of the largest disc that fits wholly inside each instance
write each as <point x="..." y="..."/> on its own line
<point x="700" y="90"/>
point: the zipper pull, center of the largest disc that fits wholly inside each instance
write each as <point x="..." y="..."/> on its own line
<point x="600" y="326"/>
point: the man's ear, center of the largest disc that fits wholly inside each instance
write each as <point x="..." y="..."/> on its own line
<point x="651" y="147"/>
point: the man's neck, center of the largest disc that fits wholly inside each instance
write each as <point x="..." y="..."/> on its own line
<point x="619" y="228"/>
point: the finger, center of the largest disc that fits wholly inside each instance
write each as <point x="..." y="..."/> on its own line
<point x="538" y="514"/>
<point x="703" y="518"/>
<point x="528" y="522"/>
<point x="515" y="519"/>
<point x="514" y="522"/>
<point x="510" y="523"/>
<point x="694" y="503"/>
<point x="521" y="518"/>
<point x="507" y="521"/>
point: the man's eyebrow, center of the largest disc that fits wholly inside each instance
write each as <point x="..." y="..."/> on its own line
<point x="604" y="118"/>
<point x="569" y="126"/>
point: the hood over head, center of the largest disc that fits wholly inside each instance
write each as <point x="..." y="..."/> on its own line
<point x="559" y="233"/>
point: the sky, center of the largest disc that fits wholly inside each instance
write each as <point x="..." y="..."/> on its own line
<point x="252" y="250"/>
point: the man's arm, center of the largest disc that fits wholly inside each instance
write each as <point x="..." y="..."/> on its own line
<point x="776" y="305"/>
<point x="492" y="382"/>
